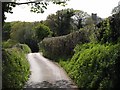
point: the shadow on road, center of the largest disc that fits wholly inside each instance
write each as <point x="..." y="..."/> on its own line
<point x="57" y="84"/>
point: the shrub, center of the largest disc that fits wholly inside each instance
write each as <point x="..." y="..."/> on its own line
<point x="15" y="66"/>
<point x="14" y="44"/>
<point x="9" y="43"/>
<point x="95" y="66"/>
<point x="22" y="47"/>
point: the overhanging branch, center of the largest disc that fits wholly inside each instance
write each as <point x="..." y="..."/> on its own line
<point x="33" y="2"/>
<point x="24" y="3"/>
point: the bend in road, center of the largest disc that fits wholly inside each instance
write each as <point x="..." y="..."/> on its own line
<point x="45" y="73"/>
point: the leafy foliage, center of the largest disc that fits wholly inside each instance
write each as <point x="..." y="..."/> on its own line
<point x="60" y="23"/>
<point x="51" y="22"/>
<point x="41" y="31"/>
<point x="95" y="66"/>
<point x="15" y="66"/>
<point x="109" y="29"/>
<point x="9" y="43"/>
<point x="64" y="20"/>
<point x="105" y="31"/>
<point x="23" y="32"/>
<point x="20" y="31"/>
<point x="91" y="32"/>
<point x="92" y="65"/>
<point x="29" y="33"/>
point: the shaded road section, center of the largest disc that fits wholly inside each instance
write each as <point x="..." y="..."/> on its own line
<point x="46" y="74"/>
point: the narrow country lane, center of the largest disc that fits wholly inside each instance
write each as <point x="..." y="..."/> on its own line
<point x="46" y="74"/>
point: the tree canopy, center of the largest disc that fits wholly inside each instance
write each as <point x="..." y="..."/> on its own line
<point x="60" y="23"/>
<point x="79" y="17"/>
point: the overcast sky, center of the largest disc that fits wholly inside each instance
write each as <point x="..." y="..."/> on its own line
<point x="103" y="9"/>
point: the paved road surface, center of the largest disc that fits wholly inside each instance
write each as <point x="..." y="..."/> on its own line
<point x="46" y="74"/>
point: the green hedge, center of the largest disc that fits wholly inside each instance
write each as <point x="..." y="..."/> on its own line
<point x="15" y="66"/>
<point x="95" y="66"/>
<point x="62" y="46"/>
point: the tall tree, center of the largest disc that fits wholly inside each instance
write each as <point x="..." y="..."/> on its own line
<point x="79" y="18"/>
<point x="60" y="23"/>
<point x="64" y="19"/>
<point x="22" y="32"/>
<point x="51" y="22"/>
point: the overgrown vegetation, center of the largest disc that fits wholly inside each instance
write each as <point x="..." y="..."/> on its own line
<point x="41" y="31"/>
<point x="63" y="46"/>
<point x="9" y="43"/>
<point x="95" y="66"/>
<point x="15" y="65"/>
<point x="26" y="32"/>
<point x="109" y="29"/>
<point x="89" y="52"/>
